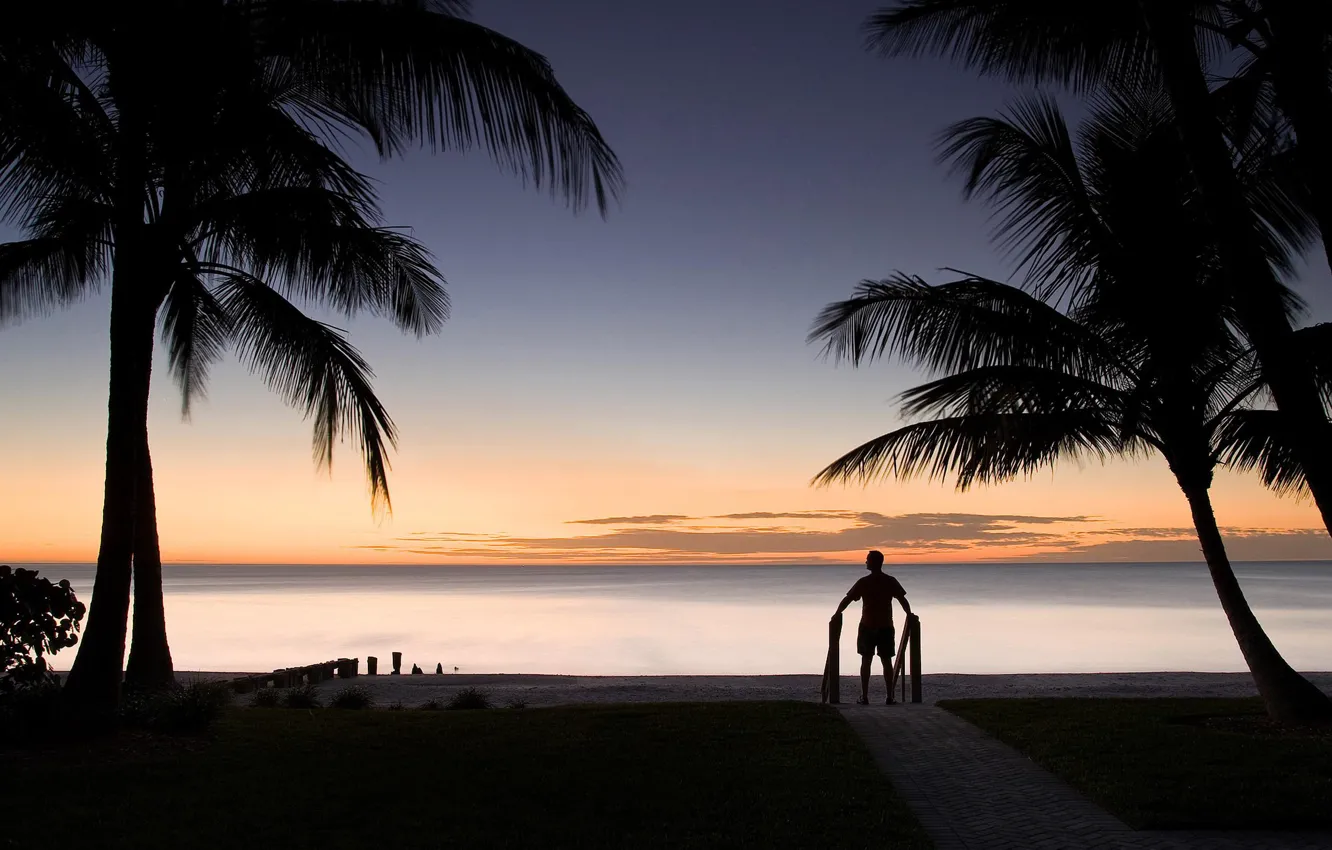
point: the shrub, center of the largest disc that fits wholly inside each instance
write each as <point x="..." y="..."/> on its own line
<point x="515" y="702"/>
<point x="431" y="704"/>
<point x="37" y="618"/>
<point x="396" y="705"/>
<point x="469" y="698"/>
<point x="180" y="710"/>
<point x="353" y="697"/>
<point x="306" y="696"/>
<point x="266" y="698"/>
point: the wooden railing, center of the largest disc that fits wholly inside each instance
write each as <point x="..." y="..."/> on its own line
<point x="908" y="645"/>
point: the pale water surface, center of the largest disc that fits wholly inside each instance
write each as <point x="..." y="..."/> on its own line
<point x="638" y="620"/>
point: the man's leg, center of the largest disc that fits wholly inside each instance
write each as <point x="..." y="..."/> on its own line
<point x="865" y="662"/>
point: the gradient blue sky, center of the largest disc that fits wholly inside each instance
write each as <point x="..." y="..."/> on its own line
<point x="650" y="364"/>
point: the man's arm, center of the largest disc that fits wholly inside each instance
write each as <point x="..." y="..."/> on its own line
<point x="901" y="597"/>
<point x="851" y="596"/>
<point x="846" y="600"/>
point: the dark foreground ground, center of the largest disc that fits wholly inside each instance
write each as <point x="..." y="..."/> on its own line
<point x="1172" y="763"/>
<point x="675" y="775"/>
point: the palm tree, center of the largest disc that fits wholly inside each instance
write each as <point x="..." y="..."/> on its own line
<point x="1142" y="358"/>
<point x="1129" y="42"/>
<point x="183" y="152"/>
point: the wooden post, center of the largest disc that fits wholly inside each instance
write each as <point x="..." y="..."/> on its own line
<point x="832" y="681"/>
<point x="913" y="623"/>
<point x="371" y="665"/>
<point x="397" y="664"/>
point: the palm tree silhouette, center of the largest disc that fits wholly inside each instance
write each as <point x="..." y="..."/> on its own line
<point x="1140" y="359"/>
<point x="185" y="153"/>
<point x="1124" y="43"/>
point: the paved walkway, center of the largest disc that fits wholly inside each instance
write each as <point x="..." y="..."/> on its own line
<point x="971" y="792"/>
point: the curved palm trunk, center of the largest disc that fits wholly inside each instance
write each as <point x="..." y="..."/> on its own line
<point x="149" y="665"/>
<point x="1255" y="287"/>
<point x="1289" y="697"/>
<point x="1299" y="69"/>
<point x="93" y="686"/>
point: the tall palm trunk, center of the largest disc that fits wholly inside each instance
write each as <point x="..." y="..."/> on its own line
<point x="93" y="687"/>
<point x="149" y="665"/>
<point x="1255" y="288"/>
<point x="1288" y="696"/>
<point x="1300" y="71"/>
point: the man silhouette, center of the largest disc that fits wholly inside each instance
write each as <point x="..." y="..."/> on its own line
<point x="876" y="634"/>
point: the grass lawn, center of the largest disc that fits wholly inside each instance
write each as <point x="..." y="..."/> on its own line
<point x="685" y="775"/>
<point x="1172" y="763"/>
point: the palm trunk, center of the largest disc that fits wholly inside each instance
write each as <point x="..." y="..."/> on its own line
<point x="92" y="691"/>
<point x="1254" y="286"/>
<point x="1299" y="69"/>
<point x="1288" y="696"/>
<point x="149" y="666"/>
<point x="93" y="687"/>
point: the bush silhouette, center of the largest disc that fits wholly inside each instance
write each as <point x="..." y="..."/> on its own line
<point x="352" y="697"/>
<point x="469" y="698"/>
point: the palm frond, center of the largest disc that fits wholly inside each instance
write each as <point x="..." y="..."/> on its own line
<point x="405" y="73"/>
<point x="1025" y="164"/>
<point x="1259" y="440"/>
<point x="313" y="367"/>
<point x="197" y="330"/>
<point x="48" y="148"/>
<point x="954" y="326"/>
<point x="314" y="244"/>
<point x="38" y="275"/>
<point x="1314" y="345"/>
<point x="1013" y="389"/>
<point x="977" y="449"/>
<point x="1072" y="43"/>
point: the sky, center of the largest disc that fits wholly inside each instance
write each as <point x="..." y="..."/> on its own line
<point x="639" y="388"/>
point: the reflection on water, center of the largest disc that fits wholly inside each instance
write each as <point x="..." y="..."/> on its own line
<point x="987" y="618"/>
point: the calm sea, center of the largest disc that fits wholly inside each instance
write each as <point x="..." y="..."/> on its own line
<point x="988" y="618"/>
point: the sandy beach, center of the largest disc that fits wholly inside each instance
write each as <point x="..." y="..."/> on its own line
<point x="540" y="690"/>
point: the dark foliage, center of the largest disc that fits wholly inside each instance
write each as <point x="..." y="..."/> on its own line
<point x="469" y="698"/>
<point x="266" y="698"/>
<point x="306" y="696"/>
<point x="37" y="618"/>
<point x="181" y="710"/>
<point x="352" y="697"/>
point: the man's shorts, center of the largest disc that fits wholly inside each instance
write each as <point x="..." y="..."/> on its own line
<point x="878" y="642"/>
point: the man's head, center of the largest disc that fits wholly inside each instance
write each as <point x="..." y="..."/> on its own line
<point x="874" y="561"/>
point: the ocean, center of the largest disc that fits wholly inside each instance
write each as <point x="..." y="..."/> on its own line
<point x="658" y="620"/>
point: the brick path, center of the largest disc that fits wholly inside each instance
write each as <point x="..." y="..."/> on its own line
<point x="971" y="792"/>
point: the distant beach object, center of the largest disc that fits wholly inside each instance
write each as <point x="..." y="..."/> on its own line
<point x="416" y="671"/>
<point x="371" y="665"/>
<point x="397" y="664"/>
<point x="295" y="677"/>
<point x="455" y="669"/>
<point x="439" y="668"/>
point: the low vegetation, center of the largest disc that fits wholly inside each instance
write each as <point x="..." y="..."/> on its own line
<point x="469" y="698"/>
<point x="1172" y="763"/>
<point x="735" y="775"/>
<point x="305" y="696"/>
<point x="190" y="709"/>
<point x="352" y="697"/>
